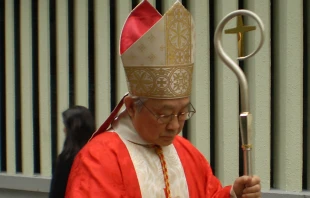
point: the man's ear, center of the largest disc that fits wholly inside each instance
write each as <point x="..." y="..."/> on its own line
<point x="130" y="105"/>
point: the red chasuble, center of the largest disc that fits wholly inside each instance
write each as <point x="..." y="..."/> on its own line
<point x="104" y="168"/>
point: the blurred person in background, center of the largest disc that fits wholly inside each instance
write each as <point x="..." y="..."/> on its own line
<point x="79" y="125"/>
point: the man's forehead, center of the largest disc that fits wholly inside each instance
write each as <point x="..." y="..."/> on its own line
<point x="169" y="103"/>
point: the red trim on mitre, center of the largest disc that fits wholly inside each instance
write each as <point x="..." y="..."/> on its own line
<point x="139" y="21"/>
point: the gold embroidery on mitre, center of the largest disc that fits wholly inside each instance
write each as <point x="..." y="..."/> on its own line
<point x="152" y="57"/>
<point x="160" y="81"/>
<point x="162" y="48"/>
<point x="142" y="47"/>
<point x="151" y="38"/>
<point x="178" y="24"/>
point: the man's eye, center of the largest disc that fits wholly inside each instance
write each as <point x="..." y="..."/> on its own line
<point x="165" y="113"/>
<point x="185" y="110"/>
<point x="164" y="116"/>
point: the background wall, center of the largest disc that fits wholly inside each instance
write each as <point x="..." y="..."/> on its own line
<point x="59" y="53"/>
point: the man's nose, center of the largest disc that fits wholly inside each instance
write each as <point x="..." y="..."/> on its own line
<point x="174" y="122"/>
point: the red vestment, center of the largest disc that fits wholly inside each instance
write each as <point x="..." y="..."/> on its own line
<point x="103" y="168"/>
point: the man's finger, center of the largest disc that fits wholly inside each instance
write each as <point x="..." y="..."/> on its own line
<point x="252" y="195"/>
<point x="252" y="189"/>
<point x="249" y="181"/>
<point x="244" y="180"/>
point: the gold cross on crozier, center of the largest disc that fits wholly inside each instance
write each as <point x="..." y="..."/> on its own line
<point x="240" y="30"/>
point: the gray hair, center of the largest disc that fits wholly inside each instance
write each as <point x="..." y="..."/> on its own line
<point x="138" y="101"/>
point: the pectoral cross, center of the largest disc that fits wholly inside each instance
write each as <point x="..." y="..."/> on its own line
<point x="240" y="30"/>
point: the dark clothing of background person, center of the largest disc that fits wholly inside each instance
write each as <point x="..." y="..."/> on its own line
<point x="79" y="127"/>
<point x="60" y="177"/>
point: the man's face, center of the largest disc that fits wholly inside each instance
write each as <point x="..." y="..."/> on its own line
<point x="147" y="125"/>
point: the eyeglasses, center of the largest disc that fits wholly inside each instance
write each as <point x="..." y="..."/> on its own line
<point x="165" y="119"/>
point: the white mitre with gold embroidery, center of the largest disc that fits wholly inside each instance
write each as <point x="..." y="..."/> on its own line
<point x="158" y="52"/>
